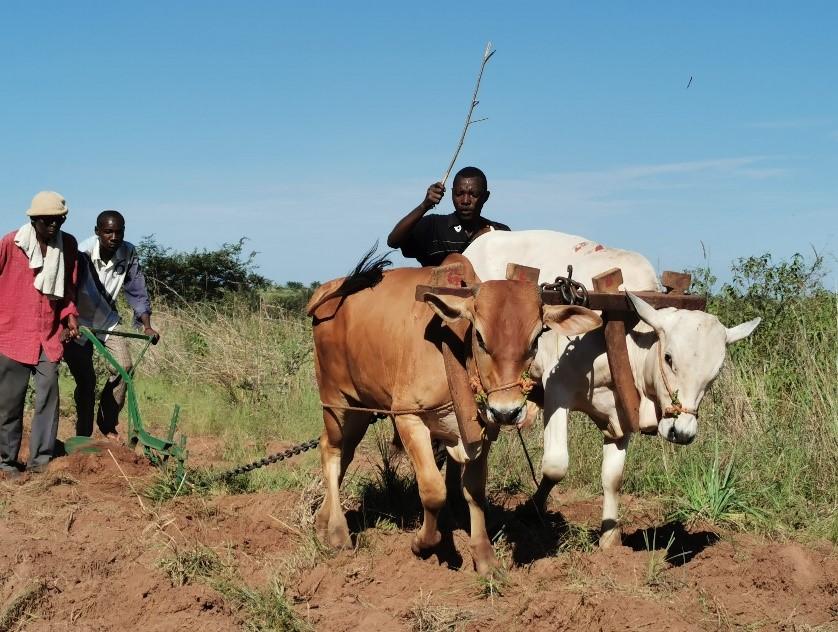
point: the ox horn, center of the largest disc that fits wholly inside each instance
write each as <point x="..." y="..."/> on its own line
<point x="647" y="313"/>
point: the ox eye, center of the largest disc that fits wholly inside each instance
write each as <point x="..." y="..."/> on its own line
<point x="668" y="358"/>
<point x="480" y="341"/>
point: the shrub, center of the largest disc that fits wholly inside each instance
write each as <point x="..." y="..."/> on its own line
<point x="291" y="298"/>
<point x="206" y="275"/>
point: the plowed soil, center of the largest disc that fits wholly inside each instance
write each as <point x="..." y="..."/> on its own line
<point x="82" y="547"/>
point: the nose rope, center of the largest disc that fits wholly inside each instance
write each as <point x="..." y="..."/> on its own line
<point x="524" y="382"/>
<point x="675" y="407"/>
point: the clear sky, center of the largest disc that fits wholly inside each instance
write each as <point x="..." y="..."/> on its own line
<point x="311" y="128"/>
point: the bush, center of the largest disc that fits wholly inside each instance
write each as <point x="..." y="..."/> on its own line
<point x="292" y="298"/>
<point x="773" y="407"/>
<point x="206" y="275"/>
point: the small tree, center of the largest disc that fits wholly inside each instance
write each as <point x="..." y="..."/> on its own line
<point x="790" y="298"/>
<point x="206" y="275"/>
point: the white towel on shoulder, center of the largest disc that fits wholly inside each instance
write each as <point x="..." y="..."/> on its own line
<point x="50" y="278"/>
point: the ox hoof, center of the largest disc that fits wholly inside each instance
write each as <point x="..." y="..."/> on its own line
<point x="421" y="544"/>
<point x="339" y="536"/>
<point x="541" y="498"/>
<point x="611" y="538"/>
<point x="484" y="558"/>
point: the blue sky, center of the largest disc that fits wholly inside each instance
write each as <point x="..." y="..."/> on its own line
<point x="311" y="129"/>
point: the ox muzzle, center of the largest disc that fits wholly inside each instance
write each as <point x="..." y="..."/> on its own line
<point x="681" y="429"/>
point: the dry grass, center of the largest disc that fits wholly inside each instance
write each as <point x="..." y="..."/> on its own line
<point x="251" y="356"/>
<point x="23" y="606"/>
<point x="426" y="616"/>
<point x="186" y="564"/>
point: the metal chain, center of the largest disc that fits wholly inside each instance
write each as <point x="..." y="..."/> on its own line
<point x="273" y="458"/>
<point x="571" y="291"/>
<point x="279" y="456"/>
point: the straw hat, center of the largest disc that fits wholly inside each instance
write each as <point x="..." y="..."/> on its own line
<point x="47" y="203"/>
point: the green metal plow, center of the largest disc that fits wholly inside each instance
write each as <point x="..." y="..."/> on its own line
<point x="158" y="451"/>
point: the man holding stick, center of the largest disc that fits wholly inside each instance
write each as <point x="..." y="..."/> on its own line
<point x="430" y="238"/>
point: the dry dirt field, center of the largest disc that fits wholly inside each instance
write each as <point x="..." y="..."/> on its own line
<point x="81" y="550"/>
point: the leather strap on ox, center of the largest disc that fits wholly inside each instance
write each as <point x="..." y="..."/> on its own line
<point x="465" y="407"/>
<point x="628" y="399"/>
<point x="449" y="279"/>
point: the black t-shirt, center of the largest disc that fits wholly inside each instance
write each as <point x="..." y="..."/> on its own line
<point x="436" y="236"/>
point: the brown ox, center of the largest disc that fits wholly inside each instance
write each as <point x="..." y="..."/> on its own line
<point x="377" y="347"/>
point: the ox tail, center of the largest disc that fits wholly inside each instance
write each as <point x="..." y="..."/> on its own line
<point x="367" y="273"/>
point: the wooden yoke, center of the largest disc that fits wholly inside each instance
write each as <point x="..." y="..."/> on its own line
<point x="676" y="282"/>
<point x="517" y="272"/>
<point x="628" y="400"/>
<point x="455" y="346"/>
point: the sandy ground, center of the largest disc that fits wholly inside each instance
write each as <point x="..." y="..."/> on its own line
<point x="82" y="533"/>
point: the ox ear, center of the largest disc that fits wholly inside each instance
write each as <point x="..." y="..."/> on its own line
<point x="647" y="313"/>
<point x="570" y="320"/>
<point x="450" y="307"/>
<point x="735" y="334"/>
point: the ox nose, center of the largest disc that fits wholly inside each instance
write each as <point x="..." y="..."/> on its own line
<point x="685" y="438"/>
<point x="506" y="415"/>
<point x="678" y="436"/>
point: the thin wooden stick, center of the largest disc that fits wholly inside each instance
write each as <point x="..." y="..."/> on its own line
<point x="128" y="480"/>
<point x="487" y="54"/>
<point x="285" y="524"/>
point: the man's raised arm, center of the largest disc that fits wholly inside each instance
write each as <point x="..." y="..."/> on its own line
<point x="401" y="231"/>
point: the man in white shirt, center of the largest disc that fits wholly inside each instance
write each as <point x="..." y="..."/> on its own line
<point x="107" y="265"/>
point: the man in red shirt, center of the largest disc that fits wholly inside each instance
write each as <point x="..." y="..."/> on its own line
<point x="38" y="276"/>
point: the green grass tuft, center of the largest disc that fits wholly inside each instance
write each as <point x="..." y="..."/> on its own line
<point x="167" y="484"/>
<point x="658" y="559"/>
<point x="713" y="493"/>
<point x="494" y="584"/>
<point x="576" y="537"/>
<point x="263" y="610"/>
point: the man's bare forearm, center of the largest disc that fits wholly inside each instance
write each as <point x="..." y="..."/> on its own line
<point x="402" y="229"/>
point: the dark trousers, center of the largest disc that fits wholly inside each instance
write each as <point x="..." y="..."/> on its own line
<point x="79" y="359"/>
<point x="14" y="378"/>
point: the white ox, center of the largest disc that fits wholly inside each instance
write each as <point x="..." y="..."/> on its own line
<point x="674" y="354"/>
<point x="551" y="252"/>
